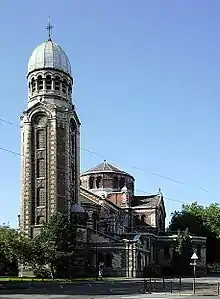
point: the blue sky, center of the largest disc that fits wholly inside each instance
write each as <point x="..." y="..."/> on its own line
<point x="147" y="89"/>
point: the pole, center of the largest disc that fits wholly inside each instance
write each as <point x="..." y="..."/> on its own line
<point x="194" y="278"/>
<point x="96" y="250"/>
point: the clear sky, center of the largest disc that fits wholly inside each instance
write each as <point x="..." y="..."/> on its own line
<point x="147" y="89"/>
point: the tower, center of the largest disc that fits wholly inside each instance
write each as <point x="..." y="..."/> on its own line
<point x="50" y="131"/>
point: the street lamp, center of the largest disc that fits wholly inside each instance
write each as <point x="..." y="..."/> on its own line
<point x="194" y="259"/>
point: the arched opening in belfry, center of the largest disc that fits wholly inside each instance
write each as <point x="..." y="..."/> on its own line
<point x="39" y="83"/>
<point x="64" y="86"/>
<point x="91" y="182"/>
<point x="69" y="88"/>
<point x="98" y="182"/>
<point x="57" y="83"/>
<point x="48" y="82"/>
<point x="33" y="85"/>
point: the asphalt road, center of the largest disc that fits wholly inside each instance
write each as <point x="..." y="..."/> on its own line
<point x="14" y="296"/>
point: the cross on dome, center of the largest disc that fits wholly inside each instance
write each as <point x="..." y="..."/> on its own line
<point x="49" y="29"/>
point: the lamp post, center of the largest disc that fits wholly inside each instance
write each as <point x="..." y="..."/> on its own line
<point x="193" y="263"/>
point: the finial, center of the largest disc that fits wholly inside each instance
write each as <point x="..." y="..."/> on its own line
<point x="104" y="161"/>
<point x="49" y="29"/>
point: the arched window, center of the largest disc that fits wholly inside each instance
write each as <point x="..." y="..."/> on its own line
<point x="48" y="82"/>
<point x="91" y="182"/>
<point x="115" y="182"/>
<point x="64" y="86"/>
<point x="57" y="83"/>
<point x="33" y="85"/>
<point x="98" y="182"/>
<point x="121" y="182"/>
<point x="69" y="88"/>
<point x="39" y="83"/>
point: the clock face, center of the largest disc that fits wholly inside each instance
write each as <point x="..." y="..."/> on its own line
<point x="40" y="120"/>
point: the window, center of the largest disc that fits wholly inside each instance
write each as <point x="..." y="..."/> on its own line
<point x="40" y="197"/>
<point x="115" y="182"/>
<point x="91" y="182"/>
<point x="57" y="83"/>
<point x="64" y="86"/>
<point x="33" y="85"/>
<point x="70" y="88"/>
<point x="39" y="220"/>
<point x="40" y="168"/>
<point x="48" y="82"/>
<point x="40" y="139"/>
<point x="98" y="182"/>
<point x="39" y="83"/>
<point x="121" y="183"/>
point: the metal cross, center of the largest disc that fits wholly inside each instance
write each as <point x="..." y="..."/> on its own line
<point x="49" y="29"/>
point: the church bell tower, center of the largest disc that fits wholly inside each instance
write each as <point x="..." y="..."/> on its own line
<point x="50" y="132"/>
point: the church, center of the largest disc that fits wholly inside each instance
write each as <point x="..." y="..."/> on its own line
<point x="125" y="233"/>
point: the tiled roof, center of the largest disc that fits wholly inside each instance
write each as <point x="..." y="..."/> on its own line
<point x="146" y="201"/>
<point x="105" y="167"/>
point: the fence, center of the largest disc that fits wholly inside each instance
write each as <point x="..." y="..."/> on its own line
<point x="181" y="286"/>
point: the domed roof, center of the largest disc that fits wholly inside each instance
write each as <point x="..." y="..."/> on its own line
<point x="49" y="55"/>
<point x="105" y="167"/>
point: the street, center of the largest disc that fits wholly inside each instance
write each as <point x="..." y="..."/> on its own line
<point x="143" y="296"/>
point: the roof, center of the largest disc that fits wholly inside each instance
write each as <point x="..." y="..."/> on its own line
<point x="49" y="55"/>
<point x="146" y="201"/>
<point x="105" y="167"/>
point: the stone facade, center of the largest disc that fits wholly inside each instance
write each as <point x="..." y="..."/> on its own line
<point x="128" y="230"/>
<point x="50" y="131"/>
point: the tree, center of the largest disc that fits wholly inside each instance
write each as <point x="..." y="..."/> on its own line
<point x="183" y="253"/>
<point x="9" y="243"/>
<point x="202" y="221"/>
<point x="53" y="247"/>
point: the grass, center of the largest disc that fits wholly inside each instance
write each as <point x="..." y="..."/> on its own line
<point x="63" y="280"/>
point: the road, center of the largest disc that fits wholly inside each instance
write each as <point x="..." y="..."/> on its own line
<point x="147" y="296"/>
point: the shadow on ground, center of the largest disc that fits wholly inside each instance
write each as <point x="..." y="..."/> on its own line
<point x="108" y="288"/>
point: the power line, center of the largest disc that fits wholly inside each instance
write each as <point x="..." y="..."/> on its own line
<point x="137" y="190"/>
<point x="101" y="156"/>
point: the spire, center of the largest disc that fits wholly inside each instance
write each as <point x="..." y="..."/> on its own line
<point x="49" y="29"/>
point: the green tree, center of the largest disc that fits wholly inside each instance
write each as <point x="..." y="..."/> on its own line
<point x="202" y="221"/>
<point x="54" y="247"/>
<point x="183" y="253"/>
<point x="9" y="246"/>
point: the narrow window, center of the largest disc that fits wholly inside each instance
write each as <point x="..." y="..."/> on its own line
<point x="64" y="86"/>
<point x="121" y="183"/>
<point x="91" y="182"/>
<point x="57" y="83"/>
<point x="48" y="82"/>
<point x="115" y="182"/>
<point x="98" y="182"/>
<point x="40" y="197"/>
<point x="33" y="85"/>
<point x="40" y="139"/>
<point x="70" y="88"/>
<point x="40" y="168"/>
<point x="39" y="83"/>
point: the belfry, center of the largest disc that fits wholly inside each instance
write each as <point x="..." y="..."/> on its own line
<point x="50" y="136"/>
